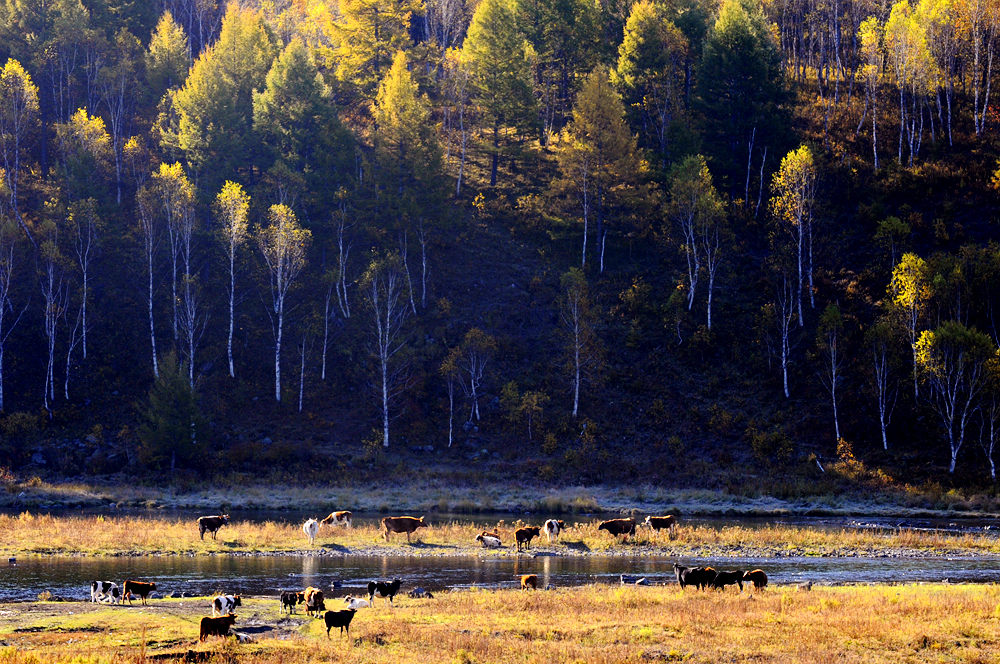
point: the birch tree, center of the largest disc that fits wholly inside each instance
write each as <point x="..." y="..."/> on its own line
<point x="383" y="285"/>
<point x="980" y="20"/>
<point x="828" y="336"/>
<point x="449" y="371"/>
<point x="871" y="35"/>
<point x="283" y="245"/>
<point x="583" y="348"/>
<point x="149" y="230"/>
<point x="910" y="291"/>
<point x="952" y="360"/>
<point x="8" y="321"/>
<point x="793" y="192"/>
<point x="474" y="355"/>
<point x="84" y="223"/>
<point x="882" y="380"/>
<point x="232" y="206"/>
<point x="784" y="311"/>
<point x="18" y="119"/>
<point x="52" y="278"/>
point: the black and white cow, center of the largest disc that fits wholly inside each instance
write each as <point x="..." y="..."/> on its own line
<point x="224" y="604"/>
<point x="105" y="590"/>
<point x="552" y="528"/>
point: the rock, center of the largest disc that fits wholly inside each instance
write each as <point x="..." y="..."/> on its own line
<point x="632" y="580"/>
<point x="420" y="592"/>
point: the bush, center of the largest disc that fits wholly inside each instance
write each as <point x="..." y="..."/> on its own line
<point x="771" y="447"/>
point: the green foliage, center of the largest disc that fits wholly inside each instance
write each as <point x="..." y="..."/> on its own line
<point x="172" y="434"/>
<point x="772" y="446"/>
<point x="370" y="32"/>
<point x="167" y="59"/>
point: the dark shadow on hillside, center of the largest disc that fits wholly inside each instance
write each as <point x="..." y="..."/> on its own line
<point x="576" y="546"/>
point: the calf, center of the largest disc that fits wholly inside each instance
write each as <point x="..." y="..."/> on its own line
<point x="660" y="522"/>
<point x="102" y="590"/>
<point x="552" y="529"/>
<point x="354" y="603"/>
<point x="224" y="604"/>
<point x="757" y="577"/>
<point x="311" y="529"/>
<point x="211" y="524"/>
<point x="618" y="527"/>
<point x="384" y="589"/>
<point x="216" y="626"/>
<point x="401" y="524"/>
<point x="489" y="540"/>
<point x="314" y="601"/>
<point x="341" y="619"/>
<point x="140" y="588"/>
<point x="529" y="581"/>
<point x="723" y="579"/>
<point x="342" y="518"/>
<point x="289" y="598"/>
<point x="525" y="535"/>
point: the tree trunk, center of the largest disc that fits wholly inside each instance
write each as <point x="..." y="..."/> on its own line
<point x="152" y="333"/>
<point x="232" y="296"/>
<point x="495" y="160"/>
<point x="277" y="352"/>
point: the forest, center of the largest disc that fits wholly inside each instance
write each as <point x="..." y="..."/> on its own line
<point x="748" y="244"/>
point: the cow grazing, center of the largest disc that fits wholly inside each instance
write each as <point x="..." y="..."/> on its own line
<point x="618" y="527"/>
<point x="140" y="588"/>
<point x="699" y="577"/>
<point x="529" y="581"/>
<point x="289" y="598"/>
<point x="211" y="524"/>
<point x="552" y="528"/>
<point x="489" y="540"/>
<point x="341" y="619"/>
<point x="216" y="626"/>
<point x="660" y="522"/>
<point x="311" y="529"/>
<point x="224" y="604"/>
<point x="102" y="590"/>
<point x="525" y="535"/>
<point x="342" y="518"/>
<point x="401" y="524"/>
<point x="723" y="579"/>
<point x="757" y="577"/>
<point x="384" y="589"/>
<point x="355" y="603"/>
<point x="314" y="601"/>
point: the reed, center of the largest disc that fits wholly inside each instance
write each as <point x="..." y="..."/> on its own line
<point x="782" y="625"/>
<point x="32" y="534"/>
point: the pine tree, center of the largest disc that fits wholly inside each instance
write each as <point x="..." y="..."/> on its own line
<point x="370" y="33"/>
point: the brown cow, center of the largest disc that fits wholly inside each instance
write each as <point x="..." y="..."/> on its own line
<point x="401" y="524"/>
<point x="660" y="522"/>
<point x="211" y="524"/>
<point x="618" y="527"/>
<point x="525" y="535"/>
<point x="314" y="601"/>
<point x="342" y="518"/>
<point x="757" y="577"/>
<point x="216" y="626"/>
<point x="529" y="581"/>
<point x="140" y="588"/>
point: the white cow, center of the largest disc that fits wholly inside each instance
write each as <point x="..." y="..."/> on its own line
<point x="342" y="518"/>
<point x="105" y="590"/>
<point x="311" y="529"/>
<point x="354" y="603"/>
<point x="552" y="528"/>
<point x="488" y="540"/>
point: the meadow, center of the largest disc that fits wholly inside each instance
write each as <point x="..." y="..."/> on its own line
<point x="593" y="624"/>
<point x="29" y="534"/>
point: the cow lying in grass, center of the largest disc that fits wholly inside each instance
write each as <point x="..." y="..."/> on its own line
<point x="489" y="540"/>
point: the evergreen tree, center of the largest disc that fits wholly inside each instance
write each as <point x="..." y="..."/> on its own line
<point x="167" y="60"/>
<point x="370" y="32"/>
<point x="169" y="435"/>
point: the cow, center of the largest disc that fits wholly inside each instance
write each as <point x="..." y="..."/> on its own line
<point x="356" y="603"/>
<point x="757" y="577"/>
<point x="341" y="619"/>
<point x="489" y="540"/>
<point x="342" y="518"/>
<point x="289" y="598"/>
<point x="660" y="522"/>
<point x="314" y="601"/>
<point x="525" y="535"/>
<point x="699" y="577"/>
<point x="311" y="529"/>
<point x="224" y="604"/>
<point x="529" y="581"/>
<point x="216" y="626"/>
<point x="723" y="579"/>
<point x="384" y="589"/>
<point x="102" y="590"/>
<point x="618" y="527"/>
<point x="401" y="524"/>
<point x="552" y="529"/>
<point x="140" y="588"/>
<point x="211" y="524"/>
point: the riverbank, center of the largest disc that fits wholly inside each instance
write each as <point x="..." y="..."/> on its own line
<point x="31" y="534"/>
<point x="595" y="624"/>
<point x="442" y="495"/>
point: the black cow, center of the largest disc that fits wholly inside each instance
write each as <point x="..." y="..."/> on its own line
<point x="384" y="589"/>
<point x="723" y="579"/>
<point x="699" y="577"/>
<point x="289" y="598"/>
<point x="341" y="619"/>
<point x="211" y="524"/>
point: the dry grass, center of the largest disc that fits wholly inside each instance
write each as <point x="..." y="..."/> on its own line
<point x="29" y="534"/>
<point x="864" y="624"/>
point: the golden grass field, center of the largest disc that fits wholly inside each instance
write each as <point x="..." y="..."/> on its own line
<point x="30" y="534"/>
<point x="592" y="624"/>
